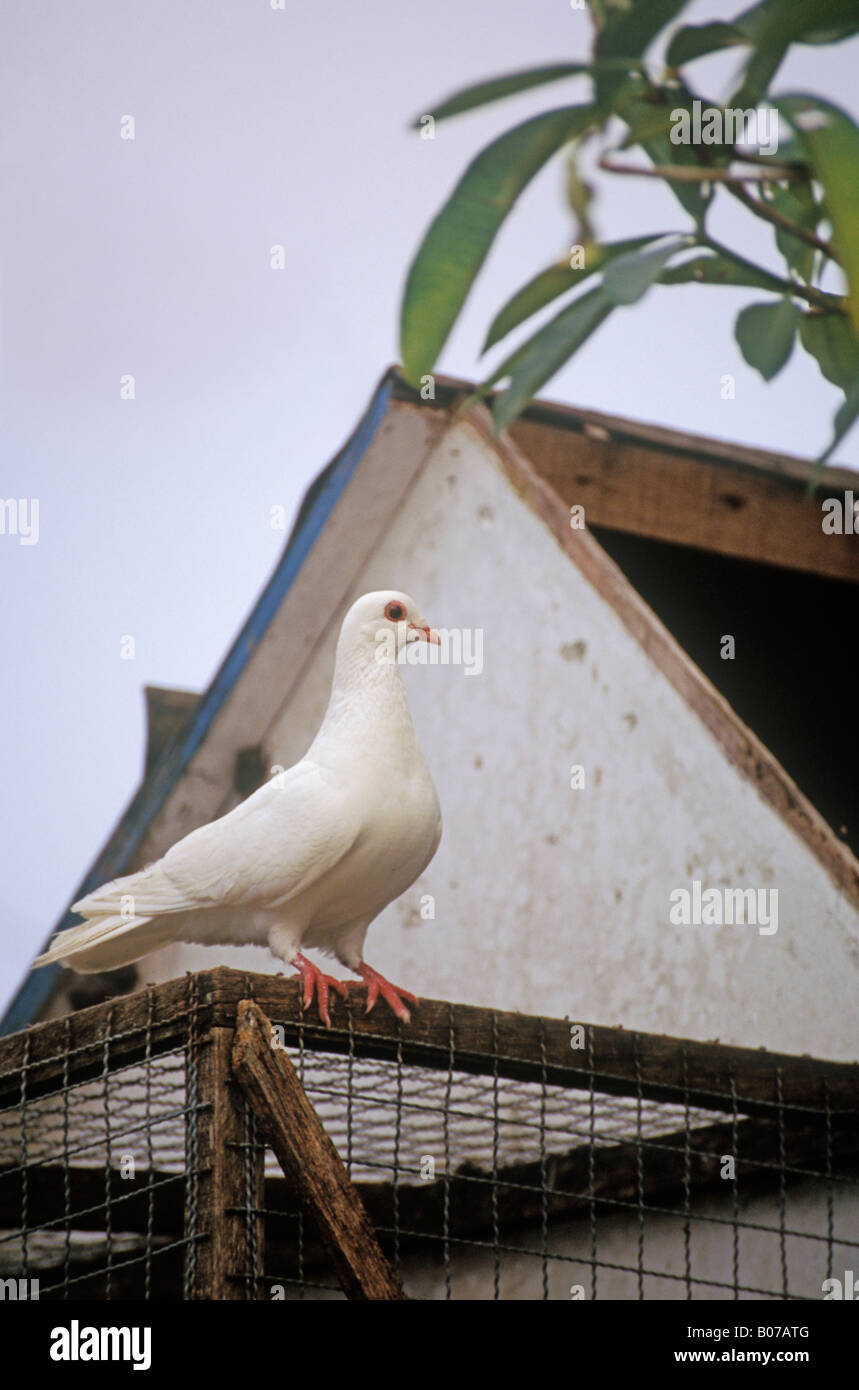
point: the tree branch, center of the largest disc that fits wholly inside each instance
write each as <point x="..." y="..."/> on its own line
<point x="778" y="219"/>
<point x="817" y="298"/>
<point x="800" y="167"/>
<point x="693" y="173"/>
<point x="698" y="173"/>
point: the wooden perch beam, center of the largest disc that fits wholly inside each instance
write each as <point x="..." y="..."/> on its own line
<point x="221" y="1228"/>
<point x="520" y="1047"/>
<point x="309" y="1159"/>
<point x="524" y="1048"/>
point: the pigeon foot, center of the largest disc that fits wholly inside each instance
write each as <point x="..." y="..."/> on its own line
<point x="393" y="995"/>
<point x="314" y="979"/>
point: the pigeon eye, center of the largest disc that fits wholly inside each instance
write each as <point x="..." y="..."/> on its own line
<point x="394" y="611"/>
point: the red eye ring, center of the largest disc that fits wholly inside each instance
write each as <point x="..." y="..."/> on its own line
<point x="394" y="612"/>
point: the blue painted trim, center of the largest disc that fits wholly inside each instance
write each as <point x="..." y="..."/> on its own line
<point x="38" y="986"/>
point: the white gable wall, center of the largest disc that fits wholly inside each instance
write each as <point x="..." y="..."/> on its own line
<point x="554" y="901"/>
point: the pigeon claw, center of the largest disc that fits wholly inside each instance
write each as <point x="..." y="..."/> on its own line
<point x="393" y="995"/>
<point x="313" y="979"/>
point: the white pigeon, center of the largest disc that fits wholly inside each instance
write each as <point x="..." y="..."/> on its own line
<point x="311" y="857"/>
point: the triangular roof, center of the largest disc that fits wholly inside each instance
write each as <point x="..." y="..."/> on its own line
<point x="552" y="454"/>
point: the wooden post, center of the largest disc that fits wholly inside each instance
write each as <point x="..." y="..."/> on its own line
<point x="227" y="1233"/>
<point x="309" y="1159"/>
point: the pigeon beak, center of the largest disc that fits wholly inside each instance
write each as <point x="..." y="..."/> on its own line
<point x="426" y="634"/>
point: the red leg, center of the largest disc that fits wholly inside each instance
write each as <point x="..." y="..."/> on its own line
<point x="314" y="979"/>
<point x="393" y="995"/>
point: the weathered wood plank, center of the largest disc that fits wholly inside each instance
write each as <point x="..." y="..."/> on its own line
<point x="616" y="1056"/>
<point x="77" y="1041"/>
<point x="451" y="391"/>
<point x="221" y="1219"/>
<point x="671" y="485"/>
<point x="309" y="1159"/>
<point x="623" y="1063"/>
<point x="675" y="496"/>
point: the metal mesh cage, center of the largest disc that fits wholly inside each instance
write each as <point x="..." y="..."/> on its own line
<point x="93" y="1172"/>
<point x="494" y="1158"/>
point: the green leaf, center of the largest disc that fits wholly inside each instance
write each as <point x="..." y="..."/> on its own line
<point x="708" y="269"/>
<point x="831" y="140"/>
<point x="831" y="341"/>
<point x="770" y="25"/>
<point x="761" y="68"/>
<point x="765" y="334"/>
<point x="774" y="22"/>
<point x="833" y="33"/>
<point x="555" y="281"/>
<point x="652" y="121"/>
<point x="696" y="40"/>
<point x="458" y="240"/>
<point x="661" y="151"/>
<point x="626" y="279"/>
<point x="533" y="364"/>
<point x="789" y="152"/>
<point x="627" y="33"/>
<point x="796" y="202"/>
<point x="496" y="88"/>
<point x="579" y="196"/>
<point x="844" y="419"/>
<point x="599" y="13"/>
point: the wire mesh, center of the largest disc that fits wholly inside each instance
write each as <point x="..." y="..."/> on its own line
<point x="92" y="1174"/>
<point x="486" y="1187"/>
<point x="478" y="1184"/>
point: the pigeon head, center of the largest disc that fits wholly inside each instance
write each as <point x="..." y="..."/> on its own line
<point x="382" y="623"/>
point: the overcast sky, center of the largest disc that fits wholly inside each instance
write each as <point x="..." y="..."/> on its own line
<point x="256" y="127"/>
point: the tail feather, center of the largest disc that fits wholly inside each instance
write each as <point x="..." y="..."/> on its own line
<point x="105" y="943"/>
<point x="148" y="893"/>
<point x="125" y="919"/>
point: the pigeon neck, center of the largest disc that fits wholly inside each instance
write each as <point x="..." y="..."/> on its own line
<point x="368" y="697"/>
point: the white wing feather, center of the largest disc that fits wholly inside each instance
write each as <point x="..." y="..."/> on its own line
<point x="268" y="849"/>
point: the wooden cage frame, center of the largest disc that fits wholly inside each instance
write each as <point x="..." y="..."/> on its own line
<point x="784" y="1107"/>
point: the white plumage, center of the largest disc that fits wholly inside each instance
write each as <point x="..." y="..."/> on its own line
<point x="312" y="856"/>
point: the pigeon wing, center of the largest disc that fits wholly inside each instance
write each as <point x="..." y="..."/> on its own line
<point x="285" y="837"/>
<point x="280" y="840"/>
